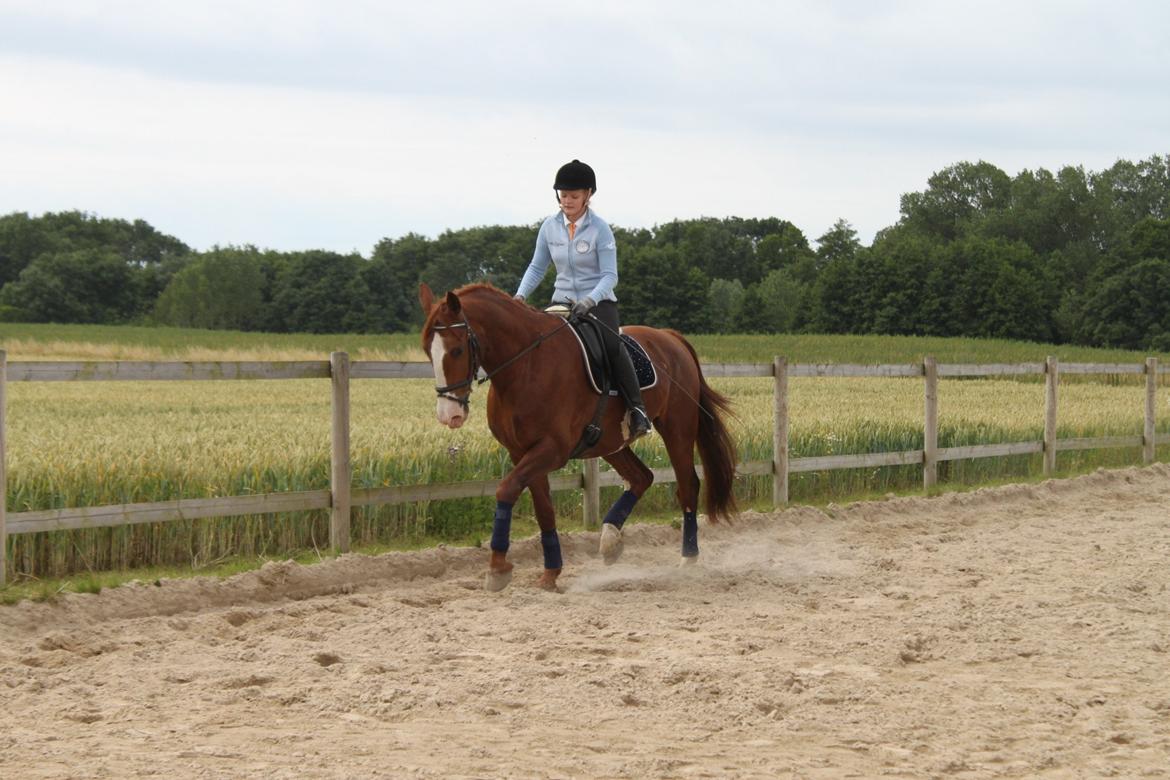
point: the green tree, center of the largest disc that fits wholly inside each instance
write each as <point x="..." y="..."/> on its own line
<point x="81" y="286"/>
<point x="661" y="289"/>
<point x="21" y="240"/>
<point x="391" y="278"/>
<point x="839" y="242"/>
<point x="784" y="247"/>
<point x="991" y="289"/>
<point x="1045" y="211"/>
<point x="722" y="249"/>
<point x="894" y="283"/>
<point x="1128" y="193"/>
<point x="781" y="302"/>
<point x="220" y="289"/>
<point x="752" y="316"/>
<point x="320" y="292"/>
<point x="152" y="257"/>
<point x="724" y="299"/>
<point x="956" y="197"/>
<point x="1126" y="302"/>
<point x="1130" y="310"/>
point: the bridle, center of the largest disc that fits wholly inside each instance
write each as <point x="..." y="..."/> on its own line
<point x="472" y="366"/>
<point x="473" y="363"/>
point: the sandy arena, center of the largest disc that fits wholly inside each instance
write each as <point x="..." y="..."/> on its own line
<point x="1010" y="632"/>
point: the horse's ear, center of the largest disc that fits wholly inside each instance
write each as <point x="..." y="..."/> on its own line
<point x="425" y="297"/>
<point x="453" y="303"/>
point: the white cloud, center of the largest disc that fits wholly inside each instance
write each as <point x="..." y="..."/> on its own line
<point x="335" y="124"/>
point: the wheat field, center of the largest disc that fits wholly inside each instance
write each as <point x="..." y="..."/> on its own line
<point x="94" y="443"/>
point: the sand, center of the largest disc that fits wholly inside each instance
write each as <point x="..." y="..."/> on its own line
<point x="1020" y="631"/>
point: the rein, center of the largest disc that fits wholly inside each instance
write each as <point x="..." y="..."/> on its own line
<point x="475" y="362"/>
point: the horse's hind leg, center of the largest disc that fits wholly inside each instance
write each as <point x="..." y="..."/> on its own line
<point x="680" y="447"/>
<point x="547" y="520"/>
<point x="638" y="477"/>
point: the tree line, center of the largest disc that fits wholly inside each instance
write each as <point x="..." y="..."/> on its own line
<point x="1071" y="256"/>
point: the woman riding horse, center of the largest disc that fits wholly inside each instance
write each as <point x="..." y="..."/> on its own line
<point x="541" y="401"/>
<point x="582" y="247"/>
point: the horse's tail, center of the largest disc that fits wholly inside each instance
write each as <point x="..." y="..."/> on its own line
<point x="716" y="447"/>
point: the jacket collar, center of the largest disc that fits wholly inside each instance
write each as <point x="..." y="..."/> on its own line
<point x="582" y="221"/>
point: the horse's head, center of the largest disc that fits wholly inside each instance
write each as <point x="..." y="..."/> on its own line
<point x="450" y="343"/>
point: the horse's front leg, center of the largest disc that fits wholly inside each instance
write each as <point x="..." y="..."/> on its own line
<point x="639" y="478"/>
<point x="531" y="471"/>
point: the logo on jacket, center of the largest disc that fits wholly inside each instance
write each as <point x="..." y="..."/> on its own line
<point x="582" y="246"/>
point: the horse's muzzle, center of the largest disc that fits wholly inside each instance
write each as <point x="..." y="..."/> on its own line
<point x="450" y="413"/>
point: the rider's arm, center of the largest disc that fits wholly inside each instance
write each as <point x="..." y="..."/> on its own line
<point x="607" y="262"/>
<point x="538" y="266"/>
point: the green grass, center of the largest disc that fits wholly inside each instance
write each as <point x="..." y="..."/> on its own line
<point x="812" y="348"/>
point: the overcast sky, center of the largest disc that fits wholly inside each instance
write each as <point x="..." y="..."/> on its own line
<point x="300" y="124"/>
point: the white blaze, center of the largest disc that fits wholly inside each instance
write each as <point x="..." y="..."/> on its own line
<point x="447" y="411"/>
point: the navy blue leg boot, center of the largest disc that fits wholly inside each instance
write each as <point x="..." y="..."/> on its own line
<point x="690" y="540"/>
<point x="611" y="528"/>
<point x="621" y="509"/>
<point x="551" y="545"/>
<point x="502" y="527"/>
<point x="552" y="549"/>
<point x="499" y="569"/>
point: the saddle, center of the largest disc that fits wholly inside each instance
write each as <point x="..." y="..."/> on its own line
<point x="588" y="335"/>
<point x="597" y="369"/>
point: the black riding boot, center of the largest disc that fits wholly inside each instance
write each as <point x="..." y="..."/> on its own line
<point x="624" y="375"/>
<point x="627" y="382"/>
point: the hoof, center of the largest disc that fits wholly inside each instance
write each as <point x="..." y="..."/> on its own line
<point x="548" y="580"/>
<point x="611" y="543"/>
<point x="689" y="560"/>
<point x="496" y="580"/>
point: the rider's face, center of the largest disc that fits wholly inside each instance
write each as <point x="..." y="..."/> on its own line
<point x="573" y="202"/>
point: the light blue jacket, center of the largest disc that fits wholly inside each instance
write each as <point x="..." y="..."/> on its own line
<point x="586" y="266"/>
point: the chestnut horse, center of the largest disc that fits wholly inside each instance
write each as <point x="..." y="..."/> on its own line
<point x="541" y="400"/>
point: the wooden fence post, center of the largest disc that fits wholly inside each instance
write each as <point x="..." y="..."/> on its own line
<point x="1051" y="377"/>
<point x="340" y="479"/>
<point x="930" y="428"/>
<point x="591" y="482"/>
<point x="3" y="469"/>
<point x="1148" y="450"/>
<point x="780" y="431"/>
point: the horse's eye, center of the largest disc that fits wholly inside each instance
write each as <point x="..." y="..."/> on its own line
<point x="457" y="352"/>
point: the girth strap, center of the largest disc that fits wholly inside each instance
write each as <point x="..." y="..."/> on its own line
<point x="592" y="433"/>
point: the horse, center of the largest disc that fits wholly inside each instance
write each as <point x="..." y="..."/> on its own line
<point x="541" y="400"/>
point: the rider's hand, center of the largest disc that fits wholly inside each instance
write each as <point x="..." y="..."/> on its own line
<point x="583" y="307"/>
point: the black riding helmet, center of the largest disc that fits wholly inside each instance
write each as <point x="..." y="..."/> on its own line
<point x="575" y="175"/>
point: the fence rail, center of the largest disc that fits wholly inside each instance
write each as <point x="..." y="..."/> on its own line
<point x="342" y="496"/>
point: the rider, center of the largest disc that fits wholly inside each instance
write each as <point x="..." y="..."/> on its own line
<point x="582" y="247"/>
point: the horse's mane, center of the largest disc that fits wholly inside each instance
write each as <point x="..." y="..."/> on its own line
<point x="485" y="287"/>
<point x="477" y="291"/>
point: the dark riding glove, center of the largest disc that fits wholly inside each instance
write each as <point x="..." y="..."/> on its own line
<point x="583" y="307"/>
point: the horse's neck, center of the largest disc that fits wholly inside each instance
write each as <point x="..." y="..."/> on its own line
<point x="503" y="329"/>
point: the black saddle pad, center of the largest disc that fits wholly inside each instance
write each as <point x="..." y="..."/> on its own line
<point x="647" y="376"/>
<point x="592" y="350"/>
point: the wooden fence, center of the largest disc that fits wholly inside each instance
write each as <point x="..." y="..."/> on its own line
<point x="341" y="496"/>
